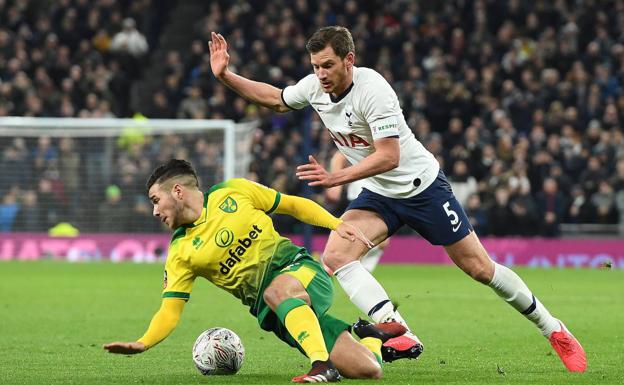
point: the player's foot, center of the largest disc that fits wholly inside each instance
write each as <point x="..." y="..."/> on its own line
<point x="405" y="346"/>
<point x="383" y="330"/>
<point x="322" y="371"/>
<point x="569" y="349"/>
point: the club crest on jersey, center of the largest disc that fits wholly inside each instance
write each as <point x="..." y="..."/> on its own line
<point x="349" y="114"/>
<point x="224" y="237"/>
<point x="229" y="205"/>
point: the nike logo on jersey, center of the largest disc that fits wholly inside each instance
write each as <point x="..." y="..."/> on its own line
<point x="455" y="228"/>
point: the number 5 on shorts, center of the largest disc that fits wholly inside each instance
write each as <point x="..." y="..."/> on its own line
<point x="452" y="215"/>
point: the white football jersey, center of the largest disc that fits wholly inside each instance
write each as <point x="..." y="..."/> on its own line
<point x="368" y="110"/>
<point x="354" y="189"/>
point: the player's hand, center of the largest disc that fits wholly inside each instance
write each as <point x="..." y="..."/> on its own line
<point x="350" y="232"/>
<point x="315" y="173"/>
<point x="125" y="347"/>
<point x="219" y="58"/>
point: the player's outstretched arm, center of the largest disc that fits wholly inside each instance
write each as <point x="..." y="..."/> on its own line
<point x="312" y="213"/>
<point x="163" y="323"/>
<point x="257" y="92"/>
<point x="385" y="158"/>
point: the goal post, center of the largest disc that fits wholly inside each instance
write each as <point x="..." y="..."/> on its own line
<point x="73" y="168"/>
<point x="236" y="136"/>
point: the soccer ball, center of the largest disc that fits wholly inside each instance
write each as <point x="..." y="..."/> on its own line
<point x="218" y="351"/>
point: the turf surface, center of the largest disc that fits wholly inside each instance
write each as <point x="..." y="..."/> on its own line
<point x="54" y="318"/>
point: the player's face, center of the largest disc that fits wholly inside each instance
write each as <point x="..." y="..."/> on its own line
<point x="333" y="72"/>
<point x="167" y="207"/>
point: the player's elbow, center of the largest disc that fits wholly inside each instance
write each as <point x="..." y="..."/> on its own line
<point x="392" y="161"/>
<point x="280" y="108"/>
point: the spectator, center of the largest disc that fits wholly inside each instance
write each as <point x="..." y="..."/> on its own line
<point x="160" y="107"/>
<point x="69" y="170"/>
<point x="524" y="212"/>
<point x="477" y="215"/>
<point x="8" y="210"/>
<point x="193" y="106"/>
<point x="112" y="214"/>
<point x="551" y="205"/>
<point x="603" y="202"/>
<point x="130" y="46"/>
<point x="591" y="177"/>
<point x="29" y="217"/>
<point x="49" y="204"/>
<point x="617" y="180"/>
<point x="462" y="183"/>
<point x="580" y="210"/>
<point x="14" y="159"/>
<point x="129" y="40"/>
<point x="499" y="214"/>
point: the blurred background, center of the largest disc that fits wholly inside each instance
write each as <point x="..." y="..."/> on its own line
<point x="521" y="102"/>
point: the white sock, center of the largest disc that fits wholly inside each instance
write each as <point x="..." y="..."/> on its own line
<point x="510" y="287"/>
<point x="371" y="259"/>
<point x="364" y="291"/>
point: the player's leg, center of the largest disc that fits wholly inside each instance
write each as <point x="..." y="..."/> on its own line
<point x="355" y="360"/>
<point x="342" y="257"/>
<point x="297" y="294"/>
<point x="358" y="359"/>
<point x="372" y="257"/>
<point x="470" y="255"/>
<point x="287" y="297"/>
<point x="438" y="217"/>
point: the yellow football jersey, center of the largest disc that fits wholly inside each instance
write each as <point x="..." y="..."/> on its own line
<point x="231" y="244"/>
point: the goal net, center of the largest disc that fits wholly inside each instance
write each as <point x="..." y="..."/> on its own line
<point x="91" y="173"/>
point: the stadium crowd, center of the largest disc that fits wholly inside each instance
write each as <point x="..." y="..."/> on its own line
<point x="522" y="102"/>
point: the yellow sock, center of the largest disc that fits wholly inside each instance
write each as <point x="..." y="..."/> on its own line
<point x="302" y="324"/>
<point x="374" y="345"/>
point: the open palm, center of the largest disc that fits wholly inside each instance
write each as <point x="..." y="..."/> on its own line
<point x="219" y="58"/>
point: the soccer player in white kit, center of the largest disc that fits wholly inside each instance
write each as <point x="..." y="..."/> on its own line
<point x="404" y="184"/>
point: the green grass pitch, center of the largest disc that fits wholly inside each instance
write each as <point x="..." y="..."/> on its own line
<point x="55" y="316"/>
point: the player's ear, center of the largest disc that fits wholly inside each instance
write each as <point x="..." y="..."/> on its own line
<point x="350" y="60"/>
<point x="177" y="191"/>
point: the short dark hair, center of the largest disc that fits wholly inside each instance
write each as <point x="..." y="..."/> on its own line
<point x="173" y="168"/>
<point x="339" y="38"/>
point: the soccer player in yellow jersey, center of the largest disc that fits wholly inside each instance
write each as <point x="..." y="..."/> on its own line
<point x="226" y="236"/>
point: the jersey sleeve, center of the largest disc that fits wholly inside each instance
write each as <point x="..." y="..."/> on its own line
<point x="296" y="96"/>
<point x="179" y="278"/>
<point x="262" y="197"/>
<point x="380" y="107"/>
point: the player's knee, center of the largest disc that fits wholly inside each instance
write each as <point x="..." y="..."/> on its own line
<point x="371" y="371"/>
<point x="273" y="296"/>
<point x="335" y="259"/>
<point x="480" y="272"/>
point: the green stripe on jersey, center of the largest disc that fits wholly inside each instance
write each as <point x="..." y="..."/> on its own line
<point x="176" y="294"/>
<point x="276" y="203"/>
<point x="179" y="233"/>
<point x="215" y="188"/>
